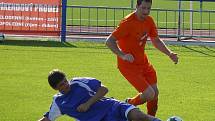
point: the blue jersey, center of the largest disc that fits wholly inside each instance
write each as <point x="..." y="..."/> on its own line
<point x="82" y="89"/>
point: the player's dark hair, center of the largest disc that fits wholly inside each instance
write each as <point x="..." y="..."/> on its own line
<point x="139" y="2"/>
<point x="55" y="76"/>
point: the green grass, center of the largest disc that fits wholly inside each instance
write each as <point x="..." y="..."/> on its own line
<point x="186" y="89"/>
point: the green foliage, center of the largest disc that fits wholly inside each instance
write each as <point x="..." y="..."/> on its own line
<point x="186" y="89"/>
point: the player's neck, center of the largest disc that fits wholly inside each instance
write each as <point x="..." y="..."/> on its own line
<point x="139" y="16"/>
<point x="65" y="91"/>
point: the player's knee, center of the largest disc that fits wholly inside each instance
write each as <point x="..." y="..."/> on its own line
<point x="150" y="95"/>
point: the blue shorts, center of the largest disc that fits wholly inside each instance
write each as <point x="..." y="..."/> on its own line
<point x="119" y="112"/>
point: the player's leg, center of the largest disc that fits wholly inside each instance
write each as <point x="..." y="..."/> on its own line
<point x="121" y="111"/>
<point x="137" y="79"/>
<point x="151" y="78"/>
<point x="147" y="95"/>
<point x="137" y="115"/>
<point x="152" y="105"/>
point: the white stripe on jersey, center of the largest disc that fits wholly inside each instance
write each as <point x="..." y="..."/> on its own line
<point x="54" y="111"/>
<point x="82" y="84"/>
<point x="83" y="79"/>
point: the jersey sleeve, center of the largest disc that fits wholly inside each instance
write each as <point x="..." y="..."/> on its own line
<point x="121" y="31"/>
<point x="153" y="33"/>
<point x="94" y="84"/>
<point x="54" y="112"/>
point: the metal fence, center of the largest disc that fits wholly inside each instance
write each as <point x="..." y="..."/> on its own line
<point x="91" y="20"/>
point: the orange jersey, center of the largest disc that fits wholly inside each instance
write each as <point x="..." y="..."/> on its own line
<point x="131" y="35"/>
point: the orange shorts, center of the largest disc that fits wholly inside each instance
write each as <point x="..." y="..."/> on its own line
<point x="139" y="77"/>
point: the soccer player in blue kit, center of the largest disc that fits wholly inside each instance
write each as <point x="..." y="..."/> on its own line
<point x="83" y="99"/>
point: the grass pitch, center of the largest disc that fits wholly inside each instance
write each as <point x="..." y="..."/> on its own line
<point x="186" y="89"/>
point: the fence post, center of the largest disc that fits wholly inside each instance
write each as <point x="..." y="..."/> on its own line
<point x="179" y="21"/>
<point x="63" y="21"/>
<point x="201" y="20"/>
<point x="132" y="3"/>
<point x="191" y="18"/>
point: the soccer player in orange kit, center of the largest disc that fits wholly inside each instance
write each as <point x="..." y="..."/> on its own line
<point x="128" y="41"/>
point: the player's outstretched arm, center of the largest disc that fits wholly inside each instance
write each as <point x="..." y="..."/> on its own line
<point x="44" y="119"/>
<point x="101" y="92"/>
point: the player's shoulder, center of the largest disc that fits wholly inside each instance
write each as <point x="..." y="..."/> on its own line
<point x="129" y="18"/>
<point x="149" y="18"/>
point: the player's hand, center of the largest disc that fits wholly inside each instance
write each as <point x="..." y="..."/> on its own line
<point x="83" y="107"/>
<point x="128" y="57"/>
<point x="174" y="57"/>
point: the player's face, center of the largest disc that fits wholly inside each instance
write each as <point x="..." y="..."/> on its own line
<point x="143" y="10"/>
<point x="63" y="86"/>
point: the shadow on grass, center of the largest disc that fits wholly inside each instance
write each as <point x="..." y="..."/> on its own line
<point x="211" y="50"/>
<point x="34" y="43"/>
<point x="201" y="52"/>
